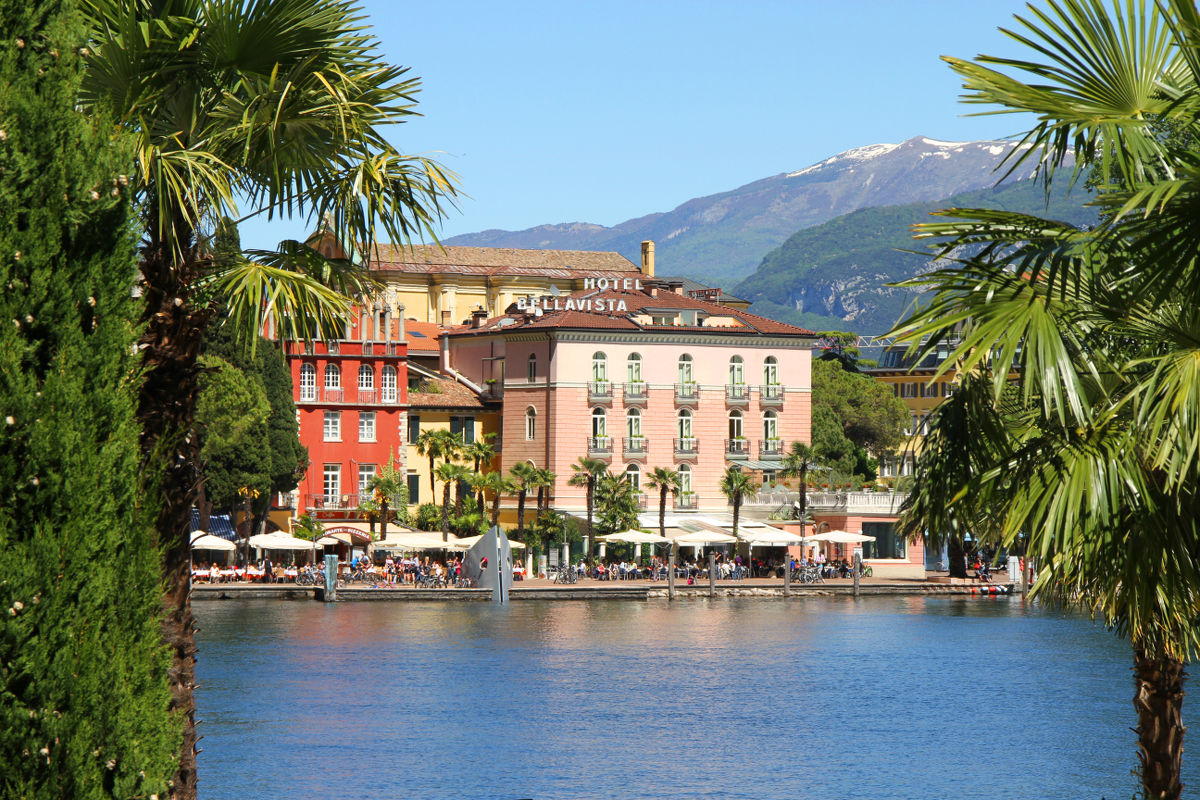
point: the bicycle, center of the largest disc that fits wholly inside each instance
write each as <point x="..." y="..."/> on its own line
<point x="464" y="582"/>
<point x="566" y="574"/>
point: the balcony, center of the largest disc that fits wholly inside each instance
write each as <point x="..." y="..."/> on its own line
<point x="334" y="395"/>
<point x="737" y="394"/>
<point x="368" y="396"/>
<point x="635" y="446"/>
<point x="599" y="392"/>
<point x="687" y="501"/>
<point x="737" y="448"/>
<point x="687" y="394"/>
<point x="643" y="502"/>
<point x="687" y="447"/>
<point x="770" y="395"/>
<point x="599" y="446"/>
<point x="770" y="447"/>
<point x="635" y="392"/>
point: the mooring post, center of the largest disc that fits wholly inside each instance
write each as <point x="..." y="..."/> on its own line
<point x="787" y="575"/>
<point x="671" y="573"/>
<point x="857" y="571"/>
<point x="712" y="574"/>
<point x="331" y="568"/>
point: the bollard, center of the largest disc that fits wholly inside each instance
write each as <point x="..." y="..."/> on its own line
<point x="671" y="573"/>
<point x="712" y="574"/>
<point x="787" y="575"/>
<point x="857" y="571"/>
<point x="331" y="568"/>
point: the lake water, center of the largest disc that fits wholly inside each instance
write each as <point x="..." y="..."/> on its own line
<point x="910" y="697"/>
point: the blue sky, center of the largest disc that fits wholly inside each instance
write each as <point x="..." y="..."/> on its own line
<point x="599" y="112"/>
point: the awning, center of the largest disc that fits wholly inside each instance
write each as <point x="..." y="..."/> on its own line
<point x="759" y="464"/>
<point x="218" y="525"/>
<point x="351" y="533"/>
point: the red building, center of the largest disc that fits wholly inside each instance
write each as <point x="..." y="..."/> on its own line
<point x="351" y="394"/>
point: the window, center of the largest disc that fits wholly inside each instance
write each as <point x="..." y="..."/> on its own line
<point x="686" y="375"/>
<point x="913" y="425"/>
<point x="685" y="478"/>
<point x="333" y="426"/>
<point x="887" y="544"/>
<point x="332" y="475"/>
<point x="387" y="382"/>
<point x="947" y="389"/>
<point x="771" y="372"/>
<point x="308" y="382"/>
<point x="333" y="377"/>
<point x="929" y="390"/>
<point x="908" y="390"/>
<point x="530" y="423"/>
<point x="531" y="368"/>
<point x="414" y="487"/>
<point x="737" y="375"/>
<point x="414" y="429"/>
<point x="634" y="367"/>
<point x="366" y="426"/>
<point x="599" y="423"/>
<point x="768" y="477"/>
<point x="366" y="378"/>
<point x="770" y="426"/>
<point x="735" y="424"/>
<point x="634" y="477"/>
<point x="599" y="367"/>
<point x="633" y="423"/>
<point x="685" y="423"/>
<point x="463" y="427"/>
<point x="365" y="473"/>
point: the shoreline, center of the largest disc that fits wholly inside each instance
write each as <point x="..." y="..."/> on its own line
<point x="631" y="590"/>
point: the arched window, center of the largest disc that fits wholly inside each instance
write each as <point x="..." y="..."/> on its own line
<point x="686" y="374"/>
<point x="599" y="367"/>
<point x="633" y="423"/>
<point x="735" y="424"/>
<point x="685" y="479"/>
<point x="771" y="371"/>
<point x="366" y="378"/>
<point x="333" y="376"/>
<point x="530" y="423"/>
<point x="599" y="423"/>
<point x="387" y="383"/>
<point x="634" y="367"/>
<point x="685" y="423"/>
<point x="308" y="382"/>
<point x="531" y="368"/>
<point x="737" y="375"/>
<point x="634" y="476"/>
<point x="770" y="430"/>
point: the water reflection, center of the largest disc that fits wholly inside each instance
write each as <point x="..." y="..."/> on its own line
<point x="869" y="698"/>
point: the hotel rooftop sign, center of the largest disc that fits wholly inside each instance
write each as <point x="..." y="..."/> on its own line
<point x="595" y="305"/>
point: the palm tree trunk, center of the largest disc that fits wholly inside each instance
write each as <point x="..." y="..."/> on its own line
<point x="445" y="511"/>
<point x="957" y="555"/>
<point x="496" y="508"/>
<point x="591" y="504"/>
<point x="1159" y="703"/>
<point x="521" y="511"/>
<point x="171" y="341"/>
<point x="383" y="519"/>
<point x="662" y="511"/>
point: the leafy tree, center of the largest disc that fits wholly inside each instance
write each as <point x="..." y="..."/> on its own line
<point x="616" y="503"/>
<point x="83" y="673"/>
<point x="736" y="485"/>
<point x="428" y="516"/>
<point x="870" y="414"/>
<point x="522" y="475"/>
<point x="549" y="529"/>
<point x="284" y="105"/>
<point x="1094" y="456"/>
<point x="667" y="481"/>
<point x="586" y="472"/>
<point x="231" y="419"/>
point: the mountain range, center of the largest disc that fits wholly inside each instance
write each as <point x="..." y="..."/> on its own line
<point x="721" y="238"/>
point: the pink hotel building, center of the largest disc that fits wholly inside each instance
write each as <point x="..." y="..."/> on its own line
<point x="640" y="376"/>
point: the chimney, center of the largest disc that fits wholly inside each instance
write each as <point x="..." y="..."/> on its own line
<point x="478" y="317"/>
<point x="648" y="258"/>
<point x="385" y="323"/>
<point x="400" y="322"/>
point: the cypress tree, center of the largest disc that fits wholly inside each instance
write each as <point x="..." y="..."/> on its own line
<point x="84" y="695"/>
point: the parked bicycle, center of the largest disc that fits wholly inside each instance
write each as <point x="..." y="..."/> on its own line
<point x="311" y="576"/>
<point x="566" y="574"/>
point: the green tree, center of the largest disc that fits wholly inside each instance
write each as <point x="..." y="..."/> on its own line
<point x="389" y="490"/>
<point x="586" y="472"/>
<point x="736" y="485"/>
<point x="1092" y="455"/>
<point x="84" y="693"/>
<point x="448" y="473"/>
<point x="797" y="463"/>
<point x="666" y="481"/>
<point x="231" y="419"/>
<point x="866" y="412"/>
<point x="309" y="528"/>
<point x="522" y="475"/>
<point x="616" y="504"/>
<point x="543" y="481"/>
<point x="495" y="484"/>
<point x="284" y="105"/>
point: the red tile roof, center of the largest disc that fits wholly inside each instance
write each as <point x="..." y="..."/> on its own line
<point x="427" y="341"/>
<point x="450" y="394"/>
<point x="427" y="259"/>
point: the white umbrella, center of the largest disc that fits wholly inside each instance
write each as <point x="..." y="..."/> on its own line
<point x="841" y="537"/>
<point x="325" y="541"/>
<point x="704" y="537"/>
<point x="634" y="537"/>
<point x="206" y="541"/>
<point x="467" y="542"/>
<point x="767" y="536"/>
<point x="416" y="540"/>
<point x="279" y="541"/>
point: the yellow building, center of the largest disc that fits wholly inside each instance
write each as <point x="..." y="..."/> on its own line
<point x="913" y="383"/>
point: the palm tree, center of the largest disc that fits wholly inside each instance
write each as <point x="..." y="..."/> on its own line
<point x="1089" y="450"/>
<point x="448" y="473"/>
<point x="586" y="472"/>
<point x="283" y="106"/>
<point x="797" y="463"/>
<point x="543" y="481"/>
<point x="522" y="474"/>
<point x="385" y="485"/>
<point x="667" y="481"/>
<point x="616" y="503"/>
<point x="736" y="484"/>
<point x="496" y="484"/>
<point x="309" y="528"/>
<point x="438" y="443"/>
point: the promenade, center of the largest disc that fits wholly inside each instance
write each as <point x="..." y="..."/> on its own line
<point x="586" y="589"/>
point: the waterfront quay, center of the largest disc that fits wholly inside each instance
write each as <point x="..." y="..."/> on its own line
<point x="542" y="589"/>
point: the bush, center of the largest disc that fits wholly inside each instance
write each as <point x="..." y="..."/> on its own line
<point x="429" y="517"/>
